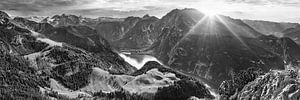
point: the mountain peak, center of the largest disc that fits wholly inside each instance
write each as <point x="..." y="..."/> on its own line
<point x="185" y="10"/>
<point x="132" y="18"/>
<point x="146" y="16"/>
<point x="187" y="16"/>
<point x="65" y="15"/>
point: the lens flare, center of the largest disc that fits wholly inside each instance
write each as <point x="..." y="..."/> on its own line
<point x="208" y="26"/>
<point x="210" y="13"/>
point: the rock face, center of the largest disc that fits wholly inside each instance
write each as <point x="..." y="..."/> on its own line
<point x="275" y="85"/>
<point x="132" y="33"/>
<point x="171" y="28"/>
<point x="216" y="47"/>
<point x="293" y="33"/>
<point x="139" y="36"/>
<point x="270" y="28"/>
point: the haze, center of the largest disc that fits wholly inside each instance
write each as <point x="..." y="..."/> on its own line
<point x="270" y="10"/>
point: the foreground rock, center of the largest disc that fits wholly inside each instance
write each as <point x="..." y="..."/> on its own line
<point x="275" y="85"/>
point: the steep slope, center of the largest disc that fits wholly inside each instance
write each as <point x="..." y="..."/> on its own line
<point x="171" y="28"/>
<point x="270" y="28"/>
<point x="139" y="36"/>
<point x="32" y="25"/>
<point x="111" y="31"/>
<point x="86" y="38"/>
<point x="132" y="33"/>
<point x="216" y="47"/>
<point x="114" y="31"/>
<point x="293" y="33"/>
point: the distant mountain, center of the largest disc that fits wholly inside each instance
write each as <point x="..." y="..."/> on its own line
<point x="270" y="28"/>
<point x="214" y="48"/>
<point x="86" y="37"/>
<point x="35" y="18"/>
<point x="32" y="25"/>
<point x="73" y="20"/>
<point x="293" y="33"/>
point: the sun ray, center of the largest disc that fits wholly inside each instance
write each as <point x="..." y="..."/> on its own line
<point x="192" y="30"/>
<point x="208" y="22"/>
<point x="233" y="33"/>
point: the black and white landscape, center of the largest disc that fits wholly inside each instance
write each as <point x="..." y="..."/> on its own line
<point x="149" y="50"/>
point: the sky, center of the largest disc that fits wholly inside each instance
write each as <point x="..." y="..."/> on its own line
<point x="270" y="10"/>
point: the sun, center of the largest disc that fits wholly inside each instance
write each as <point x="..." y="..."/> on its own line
<point x="210" y="13"/>
<point x="211" y="8"/>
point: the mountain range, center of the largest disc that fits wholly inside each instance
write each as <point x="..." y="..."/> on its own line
<point x="201" y="57"/>
<point x="270" y="28"/>
<point x="40" y="61"/>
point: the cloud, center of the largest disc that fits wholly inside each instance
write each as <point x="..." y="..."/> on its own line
<point x="37" y="5"/>
<point x="268" y="2"/>
<point x="123" y="8"/>
<point x="112" y="12"/>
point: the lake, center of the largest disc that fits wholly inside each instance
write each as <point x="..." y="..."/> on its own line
<point x="137" y="60"/>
